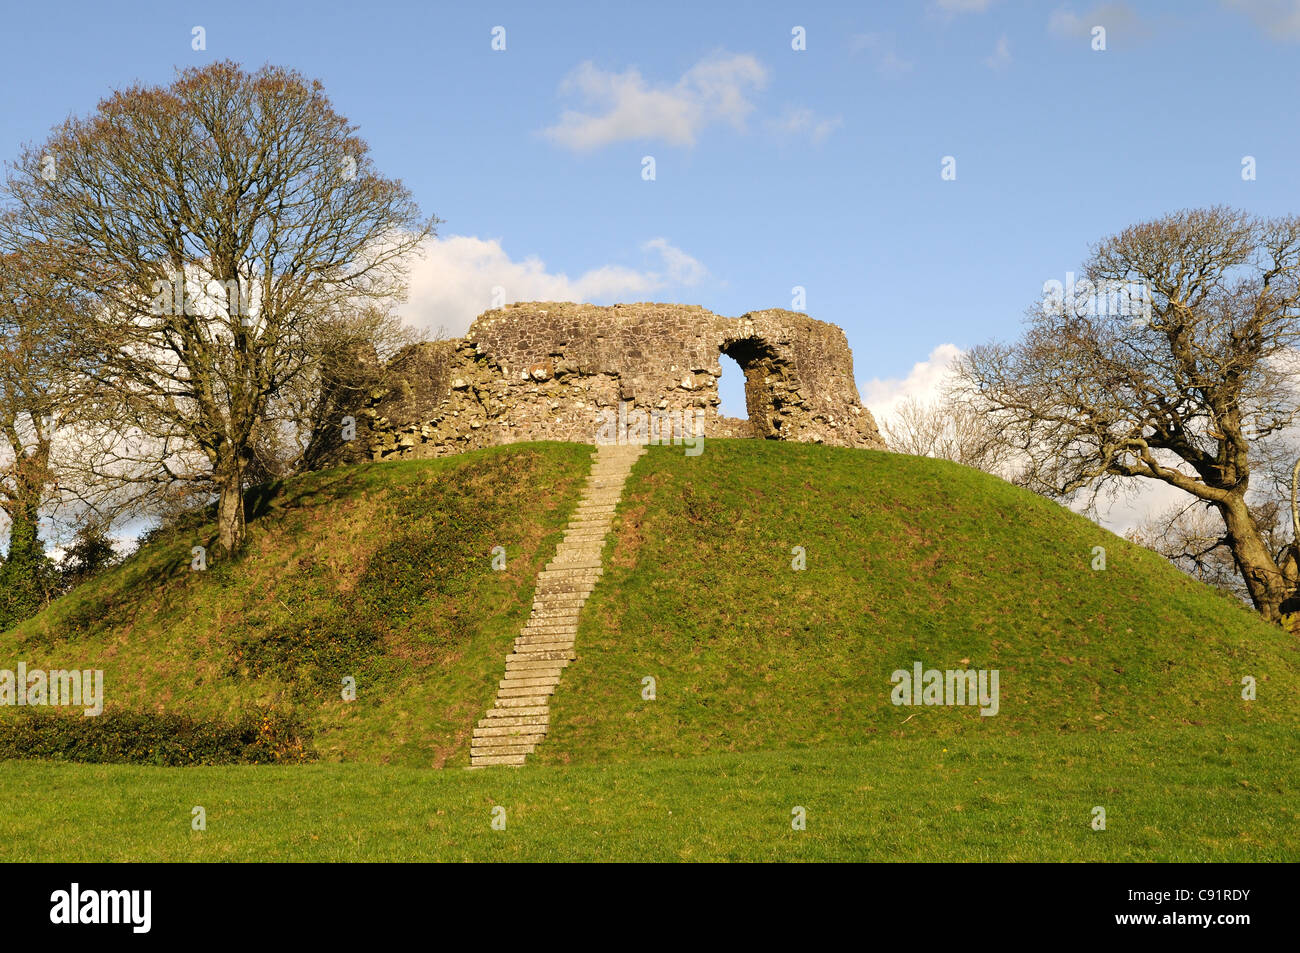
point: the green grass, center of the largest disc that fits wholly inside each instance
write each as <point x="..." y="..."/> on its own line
<point x="1118" y="688"/>
<point x="379" y="572"/>
<point x="908" y="559"/>
<point x="1191" y="794"/>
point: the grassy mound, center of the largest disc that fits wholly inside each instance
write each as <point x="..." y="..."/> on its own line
<point x="382" y="574"/>
<point x="907" y="559"/>
<point x="379" y="573"/>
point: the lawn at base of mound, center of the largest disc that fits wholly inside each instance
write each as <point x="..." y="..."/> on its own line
<point x="1188" y="794"/>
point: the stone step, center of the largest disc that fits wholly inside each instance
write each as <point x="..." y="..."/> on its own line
<point x="538" y="635"/>
<point x="494" y="750"/>
<point x="511" y="720"/>
<point x="522" y="701"/>
<point x="539" y="666"/>
<point x="553" y="673"/>
<point x="548" y="575"/>
<point x="483" y="761"/>
<point x="530" y="654"/>
<point x="502" y="741"/>
<point x="584" y="562"/>
<point x="549" y="674"/>
<point x="540" y="682"/>
<point x="569" y="580"/>
<point x="579" y="589"/>
<point x="557" y="604"/>
<point x="486" y="754"/>
<point x="509" y="731"/>
<point x="542" y="711"/>
<point x="553" y="623"/>
<point x="566" y="587"/>
<point x="569" y="648"/>
<point x="530" y="691"/>
<point x="547" y="632"/>
<point x="576" y="557"/>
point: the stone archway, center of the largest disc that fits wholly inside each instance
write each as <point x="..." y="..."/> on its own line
<point x="760" y="362"/>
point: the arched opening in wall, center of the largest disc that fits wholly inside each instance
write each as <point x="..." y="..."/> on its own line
<point x="756" y="361"/>
<point x="731" y="389"/>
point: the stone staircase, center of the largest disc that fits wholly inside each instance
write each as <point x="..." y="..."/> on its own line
<point x="517" y="722"/>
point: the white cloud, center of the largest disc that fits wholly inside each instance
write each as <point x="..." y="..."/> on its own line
<point x="924" y="382"/>
<point x="454" y="281"/>
<point x="803" y="123"/>
<point x="623" y="106"/>
<point x="1114" y="17"/>
<point x="1001" y="57"/>
<point x="1280" y="19"/>
<point x="880" y="47"/>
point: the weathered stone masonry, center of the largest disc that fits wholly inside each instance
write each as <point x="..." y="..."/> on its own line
<point x="546" y="371"/>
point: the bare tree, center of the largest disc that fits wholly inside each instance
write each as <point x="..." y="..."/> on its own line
<point x="1188" y="389"/>
<point x="949" y="429"/>
<point x="221" y="223"/>
<point x="1192" y="537"/>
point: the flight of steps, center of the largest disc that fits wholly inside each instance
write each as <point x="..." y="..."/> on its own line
<point x="517" y="723"/>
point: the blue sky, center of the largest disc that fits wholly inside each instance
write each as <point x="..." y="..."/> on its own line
<point x="775" y="168"/>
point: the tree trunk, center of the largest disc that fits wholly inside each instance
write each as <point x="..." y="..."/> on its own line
<point x="231" y="528"/>
<point x="24" y="573"/>
<point x="1264" y="580"/>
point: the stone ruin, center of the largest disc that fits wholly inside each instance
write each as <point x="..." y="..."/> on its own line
<point x="554" y="371"/>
